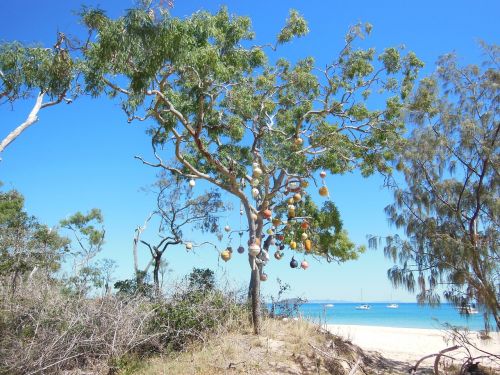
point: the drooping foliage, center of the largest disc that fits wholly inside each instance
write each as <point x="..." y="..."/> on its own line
<point x="449" y="203"/>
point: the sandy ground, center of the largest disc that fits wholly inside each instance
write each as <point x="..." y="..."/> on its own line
<point x="405" y="344"/>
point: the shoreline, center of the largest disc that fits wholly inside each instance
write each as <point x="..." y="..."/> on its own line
<point x="406" y="344"/>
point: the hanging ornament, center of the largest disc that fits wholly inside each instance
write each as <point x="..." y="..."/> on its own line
<point x="280" y="237"/>
<point x="293" y="245"/>
<point x="189" y="245"/>
<point x="276" y="222"/>
<point x="225" y="255"/>
<point x="254" y="250"/>
<point x="282" y="246"/>
<point x="192" y="183"/>
<point x="291" y="214"/>
<point x="297" y="197"/>
<point x="308" y="246"/>
<point x="257" y="172"/>
<point x="263" y="277"/>
<point x="304" y="265"/>
<point x="304" y="236"/>
<point x="298" y="141"/>
<point x="257" y="240"/>
<point x="227" y="228"/>
<point x="270" y="232"/>
<point x="241" y="249"/>
<point x="322" y="174"/>
<point x="304" y="183"/>
<point x="291" y="201"/>
<point x="323" y="191"/>
<point x="254" y="216"/>
<point x="304" y="225"/>
<point x="267" y="213"/>
<point x="294" y="263"/>
<point x="255" y="193"/>
<point x="277" y="255"/>
<point x="254" y="182"/>
<point x="265" y="256"/>
<point x="241" y="212"/>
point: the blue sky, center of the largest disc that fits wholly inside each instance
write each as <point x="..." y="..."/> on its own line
<point x="80" y="156"/>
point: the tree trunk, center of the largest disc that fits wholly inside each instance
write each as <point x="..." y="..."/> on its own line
<point x="256" y="318"/>
<point x="156" y="276"/>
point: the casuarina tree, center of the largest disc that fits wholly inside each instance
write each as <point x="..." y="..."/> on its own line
<point x="219" y="111"/>
<point x="448" y="203"/>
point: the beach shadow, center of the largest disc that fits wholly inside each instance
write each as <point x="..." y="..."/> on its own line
<point x="384" y="365"/>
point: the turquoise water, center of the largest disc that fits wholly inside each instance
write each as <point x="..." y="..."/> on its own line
<point x="408" y="315"/>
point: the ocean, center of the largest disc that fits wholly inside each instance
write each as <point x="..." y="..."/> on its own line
<point x="408" y="315"/>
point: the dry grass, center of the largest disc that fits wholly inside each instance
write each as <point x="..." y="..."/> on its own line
<point x="293" y="347"/>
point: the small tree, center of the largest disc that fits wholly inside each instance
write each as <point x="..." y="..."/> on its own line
<point x="177" y="210"/>
<point x="88" y="232"/>
<point x="449" y="204"/>
<point x="26" y="246"/>
<point x="35" y="71"/>
<point x="257" y="131"/>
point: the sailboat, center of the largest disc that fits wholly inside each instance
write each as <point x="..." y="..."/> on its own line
<point x="364" y="306"/>
<point x="392" y="305"/>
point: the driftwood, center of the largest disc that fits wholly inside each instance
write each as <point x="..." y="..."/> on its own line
<point x="438" y="356"/>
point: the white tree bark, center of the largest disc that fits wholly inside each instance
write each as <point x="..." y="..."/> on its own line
<point x="32" y="118"/>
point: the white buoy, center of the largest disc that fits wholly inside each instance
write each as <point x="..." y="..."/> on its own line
<point x="189" y="245"/>
<point x="255" y="192"/>
<point x="192" y="183"/>
<point x="227" y="228"/>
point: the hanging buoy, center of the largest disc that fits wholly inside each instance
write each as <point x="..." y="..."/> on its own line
<point x="254" y="216"/>
<point x="225" y="255"/>
<point x="192" y="183"/>
<point x="265" y="256"/>
<point x="282" y="246"/>
<point x="270" y="232"/>
<point x="254" y="249"/>
<point x="308" y="245"/>
<point x="297" y="197"/>
<point x="293" y="245"/>
<point x="298" y="141"/>
<point x="276" y="222"/>
<point x="323" y="191"/>
<point x="304" y="236"/>
<point x="267" y="213"/>
<point x="189" y="245"/>
<point x="294" y="263"/>
<point x="291" y="214"/>
<point x="255" y="192"/>
<point x="304" y="183"/>
<point x="280" y="237"/>
<point x="322" y="174"/>
<point x="241" y="249"/>
<point x="254" y="182"/>
<point x="257" y="172"/>
<point x="304" y="265"/>
<point x="277" y="255"/>
<point x="227" y="228"/>
<point x="241" y="212"/>
<point x="263" y="277"/>
<point x="304" y="225"/>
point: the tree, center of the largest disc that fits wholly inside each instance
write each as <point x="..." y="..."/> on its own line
<point x="88" y="231"/>
<point x="35" y="71"/>
<point x="177" y="210"/>
<point x="257" y="131"/>
<point x="26" y="246"/>
<point x="449" y="203"/>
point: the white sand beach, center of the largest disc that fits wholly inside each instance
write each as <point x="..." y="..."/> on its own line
<point x="405" y="344"/>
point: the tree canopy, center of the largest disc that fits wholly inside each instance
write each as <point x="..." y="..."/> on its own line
<point x="449" y="202"/>
<point x="218" y="110"/>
